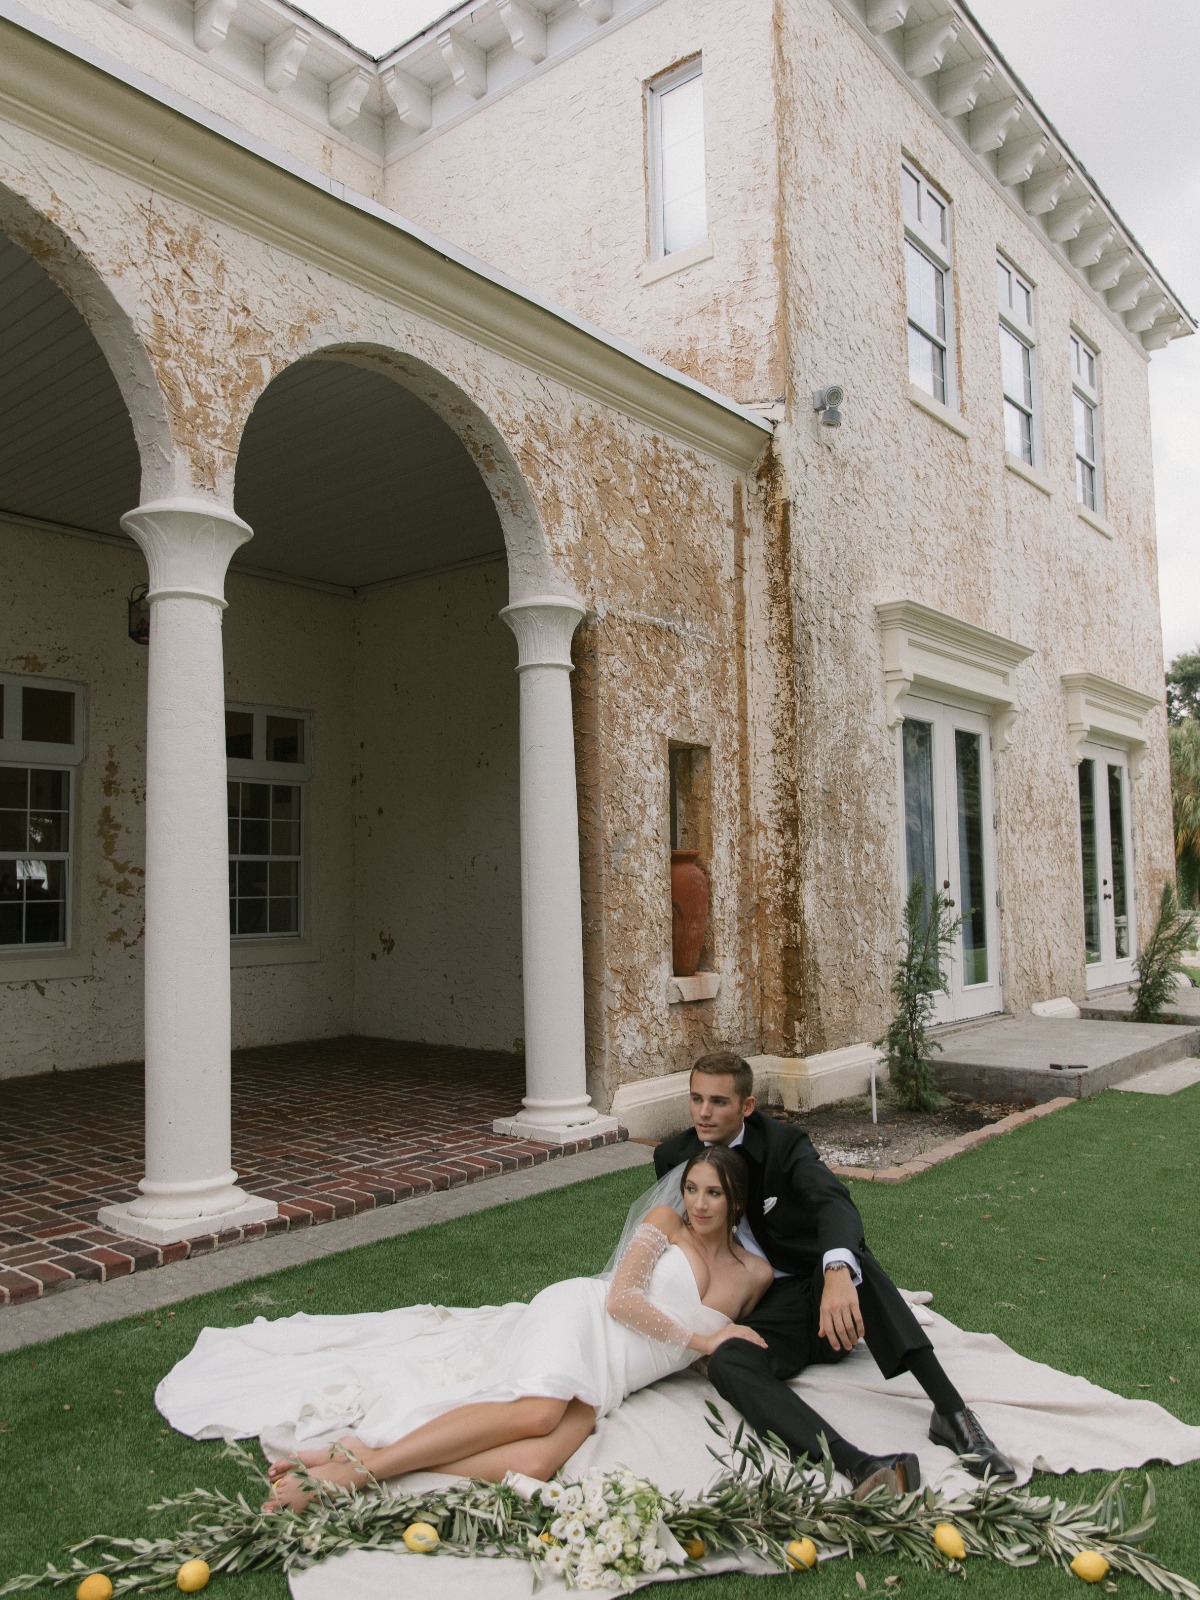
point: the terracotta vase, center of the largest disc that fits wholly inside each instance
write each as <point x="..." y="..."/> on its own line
<point x="689" y="911"/>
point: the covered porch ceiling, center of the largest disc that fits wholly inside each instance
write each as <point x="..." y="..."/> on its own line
<point x="346" y="477"/>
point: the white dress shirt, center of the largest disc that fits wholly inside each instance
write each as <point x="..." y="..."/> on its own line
<point x="744" y="1235"/>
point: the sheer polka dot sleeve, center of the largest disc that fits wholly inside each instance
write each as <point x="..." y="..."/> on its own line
<point x="628" y="1301"/>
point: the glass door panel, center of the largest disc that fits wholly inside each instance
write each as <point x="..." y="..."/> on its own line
<point x="1108" y="920"/>
<point x="948" y="843"/>
<point x="972" y="878"/>
<point x="1120" y="882"/>
<point x="1091" y="862"/>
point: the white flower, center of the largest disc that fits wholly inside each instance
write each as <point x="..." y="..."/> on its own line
<point x="558" y="1528"/>
<point x="571" y="1499"/>
<point x="614" y="1549"/>
<point x="556" y="1560"/>
<point x="574" y="1532"/>
<point x="611" y="1528"/>
<point x="648" y="1546"/>
<point x="653" y="1559"/>
<point x="552" y="1494"/>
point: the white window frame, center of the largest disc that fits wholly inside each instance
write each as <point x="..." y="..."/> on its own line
<point x="928" y="231"/>
<point x="1017" y="301"/>
<point x="295" y="774"/>
<point x="656" y="92"/>
<point x="1081" y="354"/>
<point x="18" y="752"/>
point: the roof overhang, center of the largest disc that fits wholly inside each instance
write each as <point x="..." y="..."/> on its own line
<point x="943" y="56"/>
<point x="77" y="96"/>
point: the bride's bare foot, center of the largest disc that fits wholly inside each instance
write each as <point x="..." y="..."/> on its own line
<point x="314" y="1458"/>
<point x="346" y="1464"/>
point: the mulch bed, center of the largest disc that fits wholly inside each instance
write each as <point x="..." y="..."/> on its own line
<point x="845" y="1136"/>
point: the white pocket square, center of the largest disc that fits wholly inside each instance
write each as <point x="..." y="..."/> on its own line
<point x="767" y="1204"/>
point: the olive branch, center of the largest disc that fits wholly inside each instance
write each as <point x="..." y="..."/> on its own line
<point x="759" y="1502"/>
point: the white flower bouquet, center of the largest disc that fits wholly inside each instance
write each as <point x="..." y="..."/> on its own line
<point x="606" y="1532"/>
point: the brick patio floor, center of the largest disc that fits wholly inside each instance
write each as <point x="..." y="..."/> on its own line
<point x="326" y="1129"/>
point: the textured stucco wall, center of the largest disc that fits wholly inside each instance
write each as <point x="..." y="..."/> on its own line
<point x="435" y="785"/>
<point x="291" y="646"/>
<point x="564" y="206"/>
<point x="895" y="505"/>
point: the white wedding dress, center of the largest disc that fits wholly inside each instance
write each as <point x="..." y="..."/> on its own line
<point x="379" y="1375"/>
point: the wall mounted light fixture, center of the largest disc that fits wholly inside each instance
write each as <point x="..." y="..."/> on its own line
<point x="139" y="614"/>
<point x="827" y="401"/>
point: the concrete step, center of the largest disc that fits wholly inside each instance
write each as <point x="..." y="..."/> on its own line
<point x="1039" y="1058"/>
<point x="1176" y="1075"/>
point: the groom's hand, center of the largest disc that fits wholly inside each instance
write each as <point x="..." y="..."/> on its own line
<point x="841" y="1318"/>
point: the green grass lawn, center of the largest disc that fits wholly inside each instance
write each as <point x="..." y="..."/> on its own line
<point x="1073" y="1238"/>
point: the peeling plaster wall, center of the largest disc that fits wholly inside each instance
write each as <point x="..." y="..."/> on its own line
<point x="436" y="805"/>
<point x="895" y="505"/>
<point x="293" y="647"/>
<point x="62" y="616"/>
<point x="564" y="207"/>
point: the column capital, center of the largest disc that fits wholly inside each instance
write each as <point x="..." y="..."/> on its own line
<point x="188" y="545"/>
<point x="544" y="627"/>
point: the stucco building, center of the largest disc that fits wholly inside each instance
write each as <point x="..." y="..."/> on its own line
<point x="514" y="348"/>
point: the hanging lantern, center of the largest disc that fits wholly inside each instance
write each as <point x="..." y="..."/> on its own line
<point x="139" y="614"/>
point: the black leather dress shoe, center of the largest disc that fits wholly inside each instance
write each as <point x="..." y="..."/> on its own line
<point x="961" y="1432"/>
<point x="899" y="1474"/>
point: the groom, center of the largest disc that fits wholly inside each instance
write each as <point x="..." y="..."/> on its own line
<point x="829" y="1291"/>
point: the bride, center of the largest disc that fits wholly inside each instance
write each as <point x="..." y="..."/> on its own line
<point x="497" y="1389"/>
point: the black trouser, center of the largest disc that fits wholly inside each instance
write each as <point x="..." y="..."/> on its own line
<point x="754" y="1380"/>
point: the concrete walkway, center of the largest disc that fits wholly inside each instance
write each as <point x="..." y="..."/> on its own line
<point x="1041" y="1058"/>
<point x="90" y="1304"/>
<point x="1118" y="1006"/>
<point x="1176" y="1075"/>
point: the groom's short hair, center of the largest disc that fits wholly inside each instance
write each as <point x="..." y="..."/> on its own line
<point x="724" y="1064"/>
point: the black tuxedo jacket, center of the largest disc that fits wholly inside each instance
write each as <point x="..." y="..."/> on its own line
<point x="796" y="1207"/>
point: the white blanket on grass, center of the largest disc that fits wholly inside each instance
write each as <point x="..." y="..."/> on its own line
<point x="1045" y="1420"/>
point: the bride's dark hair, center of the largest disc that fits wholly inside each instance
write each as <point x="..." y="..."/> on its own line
<point x="733" y="1174"/>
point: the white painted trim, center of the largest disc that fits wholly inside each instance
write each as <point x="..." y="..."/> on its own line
<point x="940" y="413"/>
<point x="924" y="650"/>
<point x="1103" y="712"/>
<point x="1086" y="514"/>
<point x="1030" y="474"/>
<point x="666" y="266"/>
<point x="703" y="986"/>
<point x="800" y="1083"/>
<point x="18" y="966"/>
<point x="71" y="93"/>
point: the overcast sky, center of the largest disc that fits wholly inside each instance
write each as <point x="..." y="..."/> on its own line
<point x="1120" y="83"/>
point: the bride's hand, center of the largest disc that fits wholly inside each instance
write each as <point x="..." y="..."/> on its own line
<point x="733" y="1330"/>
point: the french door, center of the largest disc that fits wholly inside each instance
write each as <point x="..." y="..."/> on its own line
<point x="1109" y="926"/>
<point x="949" y="843"/>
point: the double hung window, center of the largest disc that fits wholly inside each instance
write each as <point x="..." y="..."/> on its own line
<point x="268" y="760"/>
<point x="41" y="746"/>
<point x="1085" y="399"/>
<point x="928" y="286"/>
<point x="1015" y="296"/>
<point x="675" y="116"/>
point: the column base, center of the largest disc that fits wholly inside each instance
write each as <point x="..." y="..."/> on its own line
<point x="135" y="1223"/>
<point x="546" y="1128"/>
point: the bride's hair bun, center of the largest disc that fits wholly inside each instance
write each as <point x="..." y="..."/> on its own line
<point x="731" y="1169"/>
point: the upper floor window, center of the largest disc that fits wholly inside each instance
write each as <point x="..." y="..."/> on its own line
<point x="267" y="754"/>
<point x="41" y="744"/>
<point x="1085" y="398"/>
<point x="929" y="286"/>
<point x="678" y="209"/>
<point x="1017" y="343"/>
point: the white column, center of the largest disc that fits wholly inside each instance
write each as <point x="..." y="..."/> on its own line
<point x="556" y="1107"/>
<point x="189" y="1188"/>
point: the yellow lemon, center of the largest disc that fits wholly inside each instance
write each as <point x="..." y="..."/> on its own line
<point x="420" y="1538"/>
<point x="693" y="1549"/>
<point x="192" y="1576"/>
<point x="801" y="1553"/>
<point x="94" y="1587"/>
<point x="1090" y="1565"/>
<point x="949" y="1541"/>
